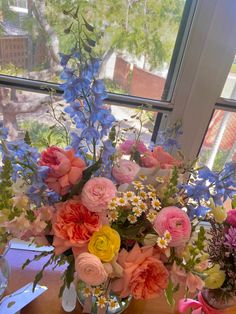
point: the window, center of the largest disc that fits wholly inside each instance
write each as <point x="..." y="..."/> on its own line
<point x="136" y="41"/>
<point x="193" y="61"/>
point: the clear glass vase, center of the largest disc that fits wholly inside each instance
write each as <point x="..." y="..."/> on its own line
<point x="121" y="303"/>
<point x="214" y="299"/>
<point x="4" y="274"/>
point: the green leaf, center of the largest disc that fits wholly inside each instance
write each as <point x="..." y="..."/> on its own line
<point x="27" y="138"/>
<point x="234" y="202"/>
<point x="89" y="27"/>
<point x="169" y="293"/>
<point x="10" y="304"/>
<point x="87" y="48"/>
<point x="26" y="263"/>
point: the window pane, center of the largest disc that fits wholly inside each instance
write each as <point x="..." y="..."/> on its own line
<point x="136" y="46"/>
<point x="21" y="111"/>
<point x="229" y="90"/>
<point x="219" y="145"/>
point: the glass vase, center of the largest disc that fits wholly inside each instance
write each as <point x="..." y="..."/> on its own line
<point x="214" y="299"/>
<point x="4" y="274"/>
<point x="121" y="303"/>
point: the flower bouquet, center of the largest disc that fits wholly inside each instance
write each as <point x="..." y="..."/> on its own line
<point x="124" y="218"/>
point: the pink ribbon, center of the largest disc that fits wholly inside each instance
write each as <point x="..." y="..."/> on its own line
<point x="198" y="307"/>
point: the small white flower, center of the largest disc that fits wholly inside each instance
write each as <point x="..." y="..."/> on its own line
<point x="143" y="207"/>
<point x="142" y="177"/>
<point x="121" y="201"/>
<point x="132" y="219"/>
<point x="152" y="194"/>
<point x="151" y="216"/>
<point x="156" y="203"/>
<point x="151" y="188"/>
<point x="136" y="200"/>
<point x="162" y="243"/>
<point x="137" y="211"/>
<point x="113" y="304"/>
<point x="112" y="205"/>
<point x="129" y="195"/>
<point x="138" y="185"/>
<point x="113" y="215"/>
<point x="86" y="292"/>
<point x="143" y="194"/>
<point x="167" y="236"/>
<point x="101" y="302"/>
<point x="97" y="291"/>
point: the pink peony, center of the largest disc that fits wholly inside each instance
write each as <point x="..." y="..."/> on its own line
<point x="65" y="169"/>
<point x="131" y="146"/>
<point x="231" y="217"/>
<point x="158" y="158"/>
<point x="177" y="222"/>
<point x="125" y="171"/>
<point x="90" y="269"/>
<point x="144" y="275"/>
<point x="73" y="224"/>
<point x="97" y="194"/>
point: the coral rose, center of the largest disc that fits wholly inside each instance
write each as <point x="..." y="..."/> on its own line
<point x="125" y="171"/>
<point x="158" y="158"/>
<point x="105" y="243"/>
<point x="231" y="217"/>
<point x="144" y="275"/>
<point x="65" y="169"/>
<point x="97" y="194"/>
<point x="90" y="269"/>
<point x="177" y="222"/>
<point x="74" y="223"/>
<point x="131" y="146"/>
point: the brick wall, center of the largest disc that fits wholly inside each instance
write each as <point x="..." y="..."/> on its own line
<point x="121" y="73"/>
<point x="146" y="84"/>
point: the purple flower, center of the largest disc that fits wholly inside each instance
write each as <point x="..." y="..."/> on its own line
<point x="231" y="238"/>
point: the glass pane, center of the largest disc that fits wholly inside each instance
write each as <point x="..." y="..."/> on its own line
<point x="219" y="145"/>
<point x="229" y="90"/>
<point x="22" y="111"/>
<point x="135" y="40"/>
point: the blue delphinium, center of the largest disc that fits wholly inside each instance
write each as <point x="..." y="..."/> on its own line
<point x="85" y="93"/>
<point x="207" y="184"/>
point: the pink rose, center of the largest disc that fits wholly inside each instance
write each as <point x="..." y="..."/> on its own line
<point x="158" y="158"/>
<point x="144" y="275"/>
<point x="231" y="217"/>
<point x="65" y="169"/>
<point x="97" y="194"/>
<point x="90" y="269"/>
<point x="177" y="222"/>
<point x="73" y="224"/>
<point x="131" y="146"/>
<point x="125" y="171"/>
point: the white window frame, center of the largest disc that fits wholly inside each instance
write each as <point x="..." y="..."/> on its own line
<point x="206" y="62"/>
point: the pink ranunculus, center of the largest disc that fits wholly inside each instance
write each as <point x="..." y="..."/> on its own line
<point x="97" y="194"/>
<point x="144" y="275"/>
<point x="65" y="169"/>
<point x="177" y="222"/>
<point x="158" y="158"/>
<point x="231" y="217"/>
<point x="73" y="225"/>
<point x="90" y="269"/>
<point x="125" y="171"/>
<point x="131" y="146"/>
<point x="194" y="283"/>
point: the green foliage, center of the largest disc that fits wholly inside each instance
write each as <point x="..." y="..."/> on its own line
<point x="169" y="293"/>
<point x="42" y="135"/>
<point x="5" y="186"/>
<point x="171" y="188"/>
<point x="234" y="202"/>
<point x="68" y="275"/>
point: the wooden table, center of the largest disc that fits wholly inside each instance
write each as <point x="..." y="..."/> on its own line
<point x="48" y="302"/>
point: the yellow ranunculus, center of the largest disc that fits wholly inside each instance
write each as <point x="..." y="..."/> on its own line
<point x="105" y="243"/>
<point x="215" y="277"/>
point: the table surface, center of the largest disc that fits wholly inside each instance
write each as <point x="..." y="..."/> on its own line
<point x="49" y="303"/>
